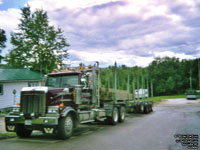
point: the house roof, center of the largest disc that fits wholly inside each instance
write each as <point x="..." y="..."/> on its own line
<point x="18" y="75"/>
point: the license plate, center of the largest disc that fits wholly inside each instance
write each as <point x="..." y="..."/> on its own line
<point x="28" y="122"/>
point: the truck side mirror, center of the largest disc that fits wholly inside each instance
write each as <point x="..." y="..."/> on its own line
<point x="84" y="81"/>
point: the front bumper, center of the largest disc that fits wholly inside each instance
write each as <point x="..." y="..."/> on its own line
<point x="40" y="123"/>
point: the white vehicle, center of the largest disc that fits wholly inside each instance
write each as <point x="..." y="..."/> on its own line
<point x="141" y="93"/>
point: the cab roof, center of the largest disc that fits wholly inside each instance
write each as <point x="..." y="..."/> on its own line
<point x="64" y="73"/>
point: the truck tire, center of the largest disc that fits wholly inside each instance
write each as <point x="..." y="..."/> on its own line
<point x="146" y="109"/>
<point x="137" y="108"/>
<point x="141" y="108"/>
<point x="151" y="108"/>
<point x="21" y="131"/>
<point x="65" y="127"/>
<point x="114" y="118"/>
<point x="122" y="114"/>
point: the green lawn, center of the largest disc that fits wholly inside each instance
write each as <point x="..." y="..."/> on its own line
<point x="158" y="99"/>
<point x="8" y="134"/>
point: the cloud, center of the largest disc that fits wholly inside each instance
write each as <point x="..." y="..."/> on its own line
<point x="9" y="19"/>
<point x="172" y="54"/>
<point x="51" y="5"/>
<point x="131" y="32"/>
<point x="108" y="57"/>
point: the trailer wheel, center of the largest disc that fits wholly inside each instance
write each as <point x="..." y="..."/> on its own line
<point x="114" y="118"/>
<point x="122" y="114"/>
<point x="65" y="127"/>
<point x="21" y="131"/>
<point x="146" y="109"/>
<point x="141" y="108"/>
<point x="151" y="108"/>
<point x="137" y="108"/>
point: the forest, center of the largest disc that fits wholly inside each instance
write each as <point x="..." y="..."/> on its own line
<point x="169" y="76"/>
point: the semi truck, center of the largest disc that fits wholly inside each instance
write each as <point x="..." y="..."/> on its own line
<point x="70" y="97"/>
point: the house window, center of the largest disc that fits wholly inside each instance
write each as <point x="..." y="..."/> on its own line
<point x="33" y="84"/>
<point x="1" y="89"/>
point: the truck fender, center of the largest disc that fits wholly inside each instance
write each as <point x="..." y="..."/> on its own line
<point x="73" y="112"/>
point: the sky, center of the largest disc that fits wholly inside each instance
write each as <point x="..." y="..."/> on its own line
<point x="130" y="32"/>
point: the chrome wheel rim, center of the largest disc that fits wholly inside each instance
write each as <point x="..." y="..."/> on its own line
<point x="142" y="108"/>
<point x="68" y="125"/>
<point x="122" y="115"/>
<point x="115" y="116"/>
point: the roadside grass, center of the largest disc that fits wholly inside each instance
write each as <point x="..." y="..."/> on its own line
<point x="4" y="111"/>
<point x="8" y="134"/>
<point x="158" y="99"/>
<point x="198" y="96"/>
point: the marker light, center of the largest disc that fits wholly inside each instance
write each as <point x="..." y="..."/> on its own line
<point x="61" y="105"/>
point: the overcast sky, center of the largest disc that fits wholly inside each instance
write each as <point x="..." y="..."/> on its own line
<point x="131" y="32"/>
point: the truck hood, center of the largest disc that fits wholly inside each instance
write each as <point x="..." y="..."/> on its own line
<point x="55" y="95"/>
<point x="40" y="88"/>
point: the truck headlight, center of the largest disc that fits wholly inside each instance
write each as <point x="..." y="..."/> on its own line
<point x="53" y="109"/>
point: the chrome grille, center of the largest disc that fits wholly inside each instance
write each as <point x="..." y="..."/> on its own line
<point x="33" y="103"/>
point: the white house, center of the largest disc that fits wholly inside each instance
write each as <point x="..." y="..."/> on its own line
<point x="11" y="83"/>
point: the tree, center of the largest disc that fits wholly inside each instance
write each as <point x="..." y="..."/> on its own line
<point x="2" y="38"/>
<point x="37" y="45"/>
<point x="2" y="41"/>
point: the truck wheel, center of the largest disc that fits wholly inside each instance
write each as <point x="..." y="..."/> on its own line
<point x="65" y="127"/>
<point x="122" y="114"/>
<point x="21" y="131"/>
<point x="141" y="108"/>
<point x="151" y="108"/>
<point x="137" y="108"/>
<point x="146" y="109"/>
<point x="114" y="118"/>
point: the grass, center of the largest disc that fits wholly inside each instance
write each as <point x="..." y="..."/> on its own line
<point x="158" y="99"/>
<point x="5" y="111"/>
<point x="8" y="134"/>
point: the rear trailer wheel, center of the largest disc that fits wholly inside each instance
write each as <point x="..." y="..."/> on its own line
<point x="146" y="109"/>
<point x="151" y="108"/>
<point x="114" y="118"/>
<point x="141" y="108"/>
<point x="66" y="127"/>
<point x="21" y="131"/>
<point x="122" y="114"/>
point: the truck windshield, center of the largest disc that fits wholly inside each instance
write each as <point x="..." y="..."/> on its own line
<point x="62" y="81"/>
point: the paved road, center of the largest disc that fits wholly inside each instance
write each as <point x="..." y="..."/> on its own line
<point x="154" y="131"/>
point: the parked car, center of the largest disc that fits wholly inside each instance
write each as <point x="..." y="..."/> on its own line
<point x="191" y="95"/>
